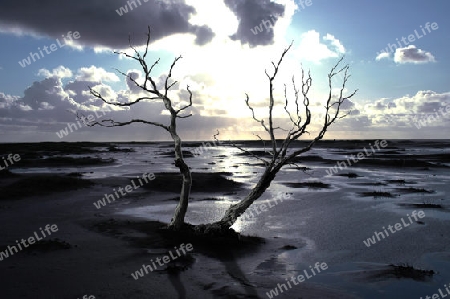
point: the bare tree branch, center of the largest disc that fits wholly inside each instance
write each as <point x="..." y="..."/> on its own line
<point x="188" y="105"/>
<point x="300" y="125"/>
<point x="99" y="96"/>
<point x="280" y="155"/>
<point x="113" y="123"/>
<point x="149" y="86"/>
<point x="266" y="163"/>
<point x="166" y="85"/>
<point x="253" y="113"/>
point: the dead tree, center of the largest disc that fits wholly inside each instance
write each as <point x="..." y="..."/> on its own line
<point x="281" y="153"/>
<point x="156" y="94"/>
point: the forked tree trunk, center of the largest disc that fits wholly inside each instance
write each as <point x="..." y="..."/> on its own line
<point x="279" y="158"/>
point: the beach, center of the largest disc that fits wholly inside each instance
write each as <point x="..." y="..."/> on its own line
<point x="328" y="213"/>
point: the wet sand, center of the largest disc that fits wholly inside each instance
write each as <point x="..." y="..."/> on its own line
<point x="98" y="249"/>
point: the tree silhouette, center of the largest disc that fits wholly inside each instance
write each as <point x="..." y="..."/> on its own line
<point x="149" y="86"/>
<point x="282" y="152"/>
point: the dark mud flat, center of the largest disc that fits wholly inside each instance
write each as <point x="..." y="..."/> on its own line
<point x="310" y="185"/>
<point x="201" y="182"/>
<point x="95" y="250"/>
<point x="23" y="186"/>
<point x="64" y="162"/>
<point x="58" y="154"/>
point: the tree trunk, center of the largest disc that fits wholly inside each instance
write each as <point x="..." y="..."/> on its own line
<point x="181" y="209"/>
<point x="236" y="210"/>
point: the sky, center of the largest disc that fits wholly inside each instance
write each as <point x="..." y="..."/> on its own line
<point x="51" y="54"/>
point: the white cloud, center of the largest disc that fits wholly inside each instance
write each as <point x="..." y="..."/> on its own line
<point x="101" y="50"/>
<point x="216" y="14"/>
<point x="411" y="54"/>
<point x="335" y="42"/>
<point x="382" y="55"/>
<point x="46" y="106"/>
<point x="401" y="111"/>
<point x="311" y="48"/>
<point x="60" y="72"/>
<point x="96" y="74"/>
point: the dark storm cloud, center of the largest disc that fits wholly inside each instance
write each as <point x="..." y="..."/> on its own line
<point x="99" y="23"/>
<point x="204" y="35"/>
<point x="252" y="13"/>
